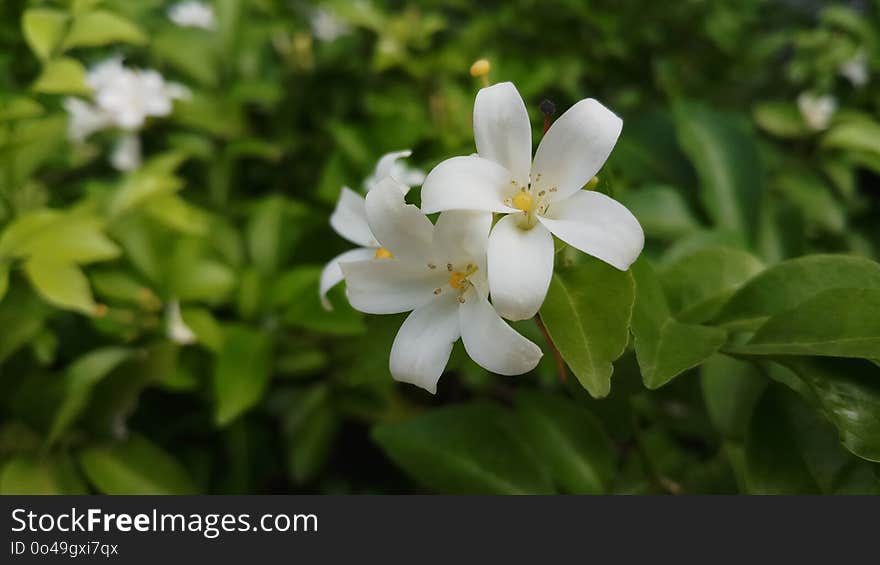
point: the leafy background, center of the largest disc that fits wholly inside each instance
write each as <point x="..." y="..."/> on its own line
<point x="739" y="355"/>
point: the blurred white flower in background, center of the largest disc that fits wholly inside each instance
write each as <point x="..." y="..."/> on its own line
<point x="193" y="14"/>
<point x="817" y="110"/>
<point x="122" y="98"/>
<point x="438" y="272"/>
<point x="326" y="26"/>
<point x="855" y="69"/>
<point x="349" y="218"/>
<point x="178" y="331"/>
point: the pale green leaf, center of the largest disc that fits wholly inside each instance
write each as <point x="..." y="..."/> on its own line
<point x="61" y="284"/>
<point x="241" y="372"/>
<point x="100" y="27"/>
<point x="135" y="466"/>
<point x="62" y="76"/>
<point x="43" y="30"/>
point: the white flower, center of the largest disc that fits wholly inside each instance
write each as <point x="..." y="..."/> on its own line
<point x="540" y="198"/>
<point x="856" y="69"/>
<point x="126" y="155"/>
<point x="193" y="14"/>
<point x="817" y="110"/>
<point x="178" y="331"/>
<point x="392" y="165"/>
<point x="349" y="219"/>
<point x="439" y="273"/>
<point x="130" y="96"/>
<point x="326" y="26"/>
<point x="85" y="119"/>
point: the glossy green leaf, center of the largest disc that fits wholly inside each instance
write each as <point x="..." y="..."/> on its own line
<point x="699" y="283"/>
<point x="587" y="314"/>
<point x="310" y="424"/>
<point x="841" y="322"/>
<point x="860" y="135"/>
<point x="578" y="454"/>
<point x="664" y="346"/>
<point x="241" y="372"/>
<point x="791" y="450"/>
<point x="207" y="329"/>
<point x="100" y="27"/>
<point x="731" y="388"/>
<point x="781" y="118"/>
<point x="135" y="466"/>
<point x="470" y="448"/>
<point x="20" y="108"/>
<point x="725" y="156"/>
<point x="789" y="283"/>
<point x="62" y="76"/>
<point x="43" y="30"/>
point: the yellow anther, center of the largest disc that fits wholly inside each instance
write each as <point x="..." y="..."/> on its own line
<point x="480" y="68"/>
<point x="523" y="201"/>
<point x="383" y="253"/>
<point x="594" y="182"/>
<point x="457" y="280"/>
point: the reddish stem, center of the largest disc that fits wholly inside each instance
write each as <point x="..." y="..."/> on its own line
<point x="560" y="362"/>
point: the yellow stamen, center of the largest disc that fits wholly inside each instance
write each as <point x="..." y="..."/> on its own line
<point x="523" y="201"/>
<point x="480" y="69"/>
<point x="383" y="253"/>
<point x="457" y="280"/>
<point x="594" y="182"/>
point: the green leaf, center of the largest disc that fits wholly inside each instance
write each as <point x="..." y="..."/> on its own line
<point x="790" y="450"/>
<point x="48" y="475"/>
<point x="725" y="156"/>
<point x="661" y="210"/>
<point x="264" y="233"/>
<point x="62" y="76"/>
<point x="43" y="30"/>
<point x="310" y="425"/>
<point x="664" y="346"/>
<point x="207" y="329"/>
<point x="297" y="291"/>
<point x="20" y="108"/>
<point x="848" y="393"/>
<point x="731" y="388"/>
<point x="569" y="440"/>
<point x="79" y="379"/>
<point x="789" y="283"/>
<point x="191" y="53"/>
<point x="587" y="314"/>
<point x="854" y="135"/>
<point x="61" y="284"/>
<point x="241" y="372"/>
<point x="470" y="448"/>
<point x="71" y="238"/>
<point x="4" y="279"/>
<point x="135" y="466"/>
<point x="99" y="28"/>
<point x="842" y="322"/>
<point x="699" y="283"/>
<point x="781" y="118"/>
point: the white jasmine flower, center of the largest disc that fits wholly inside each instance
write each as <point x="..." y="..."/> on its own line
<point x="817" y="110"/>
<point x="85" y="119"/>
<point x="392" y="165"/>
<point x="349" y="219"/>
<point x="193" y="14"/>
<point x="126" y="155"/>
<point x="131" y="96"/>
<point x="540" y="198"/>
<point x="439" y="273"/>
<point x="326" y="26"/>
<point x="855" y="69"/>
<point x="178" y="331"/>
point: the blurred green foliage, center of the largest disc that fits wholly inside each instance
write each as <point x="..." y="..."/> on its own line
<point x="747" y="367"/>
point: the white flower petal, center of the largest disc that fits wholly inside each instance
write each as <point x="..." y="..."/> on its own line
<point x="422" y="346"/>
<point x="575" y="148"/>
<point x="389" y="286"/>
<point x="466" y="183"/>
<point x="332" y="274"/>
<point x="349" y="219"/>
<point x="493" y="344"/>
<point x="386" y="166"/>
<point x="126" y="155"/>
<point x="178" y="331"/>
<point x="399" y="227"/>
<point x="520" y="267"/>
<point x="502" y="130"/>
<point x="597" y="225"/>
<point x="461" y="236"/>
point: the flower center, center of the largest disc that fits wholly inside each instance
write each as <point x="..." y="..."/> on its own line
<point x="523" y="200"/>
<point x="458" y="279"/>
<point x="383" y="253"/>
